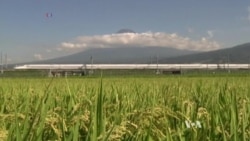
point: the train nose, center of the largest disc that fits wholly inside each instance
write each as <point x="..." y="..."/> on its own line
<point x="20" y="67"/>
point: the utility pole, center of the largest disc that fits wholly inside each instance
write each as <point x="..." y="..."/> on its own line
<point x="157" y="66"/>
<point x="157" y="61"/>
<point x="6" y="61"/>
<point x="228" y="59"/>
<point x="248" y="63"/>
<point x="91" y="69"/>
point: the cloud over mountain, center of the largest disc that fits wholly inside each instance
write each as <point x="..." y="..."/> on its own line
<point x="147" y="39"/>
<point x="38" y="56"/>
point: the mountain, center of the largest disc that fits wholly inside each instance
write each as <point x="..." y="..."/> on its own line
<point x="238" y="54"/>
<point x="120" y="55"/>
<point x="125" y="30"/>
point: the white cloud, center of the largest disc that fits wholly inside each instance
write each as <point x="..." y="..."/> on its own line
<point x="158" y="39"/>
<point x="38" y="56"/>
<point x="210" y="33"/>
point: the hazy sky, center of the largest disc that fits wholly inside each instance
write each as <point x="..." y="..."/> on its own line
<point x="42" y="29"/>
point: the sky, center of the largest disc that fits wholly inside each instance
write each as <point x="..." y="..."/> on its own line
<point x="33" y="30"/>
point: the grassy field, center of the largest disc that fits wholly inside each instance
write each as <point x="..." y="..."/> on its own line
<point x="167" y="108"/>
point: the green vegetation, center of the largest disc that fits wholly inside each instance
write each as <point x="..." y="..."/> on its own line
<point x="128" y="73"/>
<point x="125" y="108"/>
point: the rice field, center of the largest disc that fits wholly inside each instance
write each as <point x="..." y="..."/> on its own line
<point x="114" y="109"/>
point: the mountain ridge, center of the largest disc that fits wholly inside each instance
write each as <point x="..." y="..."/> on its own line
<point x="237" y="54"/>
<point x="119" y="55"/>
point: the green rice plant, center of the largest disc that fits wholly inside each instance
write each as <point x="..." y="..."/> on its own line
<point x="125" y="108"/>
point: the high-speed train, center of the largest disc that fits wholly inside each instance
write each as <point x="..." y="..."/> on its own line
<point x="83" y="69"/>
<point x="129" y="66"/>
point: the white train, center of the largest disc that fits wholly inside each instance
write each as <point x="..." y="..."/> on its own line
<point x="83" y="69"/>
<point x="130" y="66"/>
